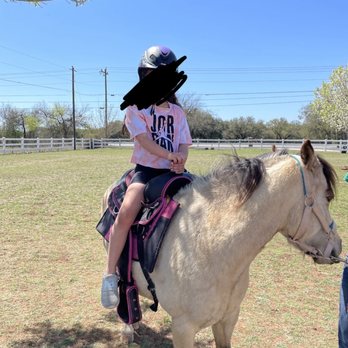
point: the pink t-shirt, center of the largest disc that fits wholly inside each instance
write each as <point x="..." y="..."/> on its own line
<point x="168" y="127"/>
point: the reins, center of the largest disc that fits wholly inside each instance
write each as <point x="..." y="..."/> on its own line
<point x="310" y="208"/>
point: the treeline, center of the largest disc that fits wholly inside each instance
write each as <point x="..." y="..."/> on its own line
<point x="325" y="118"/>
<point x="204" y="125"/>
<point x="57" y="122"/>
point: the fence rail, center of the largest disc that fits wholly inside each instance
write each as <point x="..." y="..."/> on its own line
<point x="24" y="145"/>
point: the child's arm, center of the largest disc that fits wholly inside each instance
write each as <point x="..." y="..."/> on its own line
<point x="183" y="149"/>
<point x="179" y="168"/>
<point x="155" y="149"/>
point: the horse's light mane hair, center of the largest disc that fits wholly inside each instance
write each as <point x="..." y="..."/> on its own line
<point x="242" y="175"/>
<point x="328" y="171"/>
<point x="274" y="154"/>
<point x="330" y="175"/>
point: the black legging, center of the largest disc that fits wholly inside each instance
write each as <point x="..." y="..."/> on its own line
<point x="144" y="174"/>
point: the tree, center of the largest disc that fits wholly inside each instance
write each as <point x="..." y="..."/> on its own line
<point x="59" y="121"/>
<point x="331" y="100"/>
<point x="243" y="127"/>
<point x="190" y="103"/>
<point x="203" y="125"/>
<point x="283" y="129"/>
<point x="31" y="125"/>
<point x="11" y="122"/>
<point x="313" y="127"/>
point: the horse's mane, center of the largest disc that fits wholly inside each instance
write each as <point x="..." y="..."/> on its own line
<point x="329" y="172"/>
<point x="331" y="177"/>
<point x="274" y="154"/>
<point x="243" y="174"/>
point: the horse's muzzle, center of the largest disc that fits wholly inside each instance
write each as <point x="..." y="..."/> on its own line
<point x="334" y="256"/>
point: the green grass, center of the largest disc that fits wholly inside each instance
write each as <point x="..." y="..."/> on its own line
<point x="52" y="259"/>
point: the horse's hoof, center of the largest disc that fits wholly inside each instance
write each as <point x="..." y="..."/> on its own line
<point x="128" y="333"/>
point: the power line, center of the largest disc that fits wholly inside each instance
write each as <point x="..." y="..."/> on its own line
<point x="253" y="104"/>
<point x="30" y="56"/>
<point x="263" y="97"/>
<point x="32" y="84"/>
<point x="205" y="105"/>
<point x="208" y="100"/>
<point x="263" y="92"/>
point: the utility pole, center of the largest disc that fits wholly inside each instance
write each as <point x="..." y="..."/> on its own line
<point x="73" y="105"/>
<point x="104" y="72"/>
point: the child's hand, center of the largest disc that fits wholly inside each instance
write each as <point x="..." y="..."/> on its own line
<point x="176" y="157"/>
<point x="177" y="168"/>
<point x="178" y="160"/>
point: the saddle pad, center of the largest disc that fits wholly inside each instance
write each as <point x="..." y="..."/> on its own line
<point x="105" y="224"/>
<point x="149" y="244"/>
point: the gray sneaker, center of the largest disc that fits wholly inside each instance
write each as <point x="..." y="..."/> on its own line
<point x="109" y="291"/>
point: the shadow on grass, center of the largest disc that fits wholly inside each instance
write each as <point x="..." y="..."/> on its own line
<point x="45" y="335"/>
<point x="146" y="337"/>
<point x="112" y="316"/>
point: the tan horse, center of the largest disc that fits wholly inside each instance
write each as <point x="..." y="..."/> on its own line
<point x="225" y="220"/>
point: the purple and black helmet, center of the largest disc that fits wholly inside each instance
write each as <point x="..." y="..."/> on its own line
<point x="153" y="57"/>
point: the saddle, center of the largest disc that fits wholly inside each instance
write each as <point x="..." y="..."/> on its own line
<point x="145" y="236"/>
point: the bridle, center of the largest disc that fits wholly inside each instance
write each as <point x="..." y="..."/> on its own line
<point x="309" y="209"/>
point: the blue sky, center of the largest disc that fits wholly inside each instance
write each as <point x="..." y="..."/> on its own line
<point x="245" y="58"/>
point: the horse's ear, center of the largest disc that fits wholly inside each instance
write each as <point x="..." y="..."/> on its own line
<point x="307" y="154"/>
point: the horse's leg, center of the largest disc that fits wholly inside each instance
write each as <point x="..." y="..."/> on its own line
<point x="223" y="330"/>
<point x="183" y="333"/>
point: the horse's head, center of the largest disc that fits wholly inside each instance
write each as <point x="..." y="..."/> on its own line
<point x="316" y="235"/>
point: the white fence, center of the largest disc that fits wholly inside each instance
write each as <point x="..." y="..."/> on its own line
<point x="17" y="145"/>
<point x="23" y="145"/>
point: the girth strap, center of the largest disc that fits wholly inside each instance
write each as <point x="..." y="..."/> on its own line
<point x="151" y="287"/>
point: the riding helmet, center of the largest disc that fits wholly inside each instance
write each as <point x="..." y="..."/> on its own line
<point x="153" y="57"/>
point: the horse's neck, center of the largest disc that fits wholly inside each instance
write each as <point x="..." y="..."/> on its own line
<point x="272" y="206"/>
<point x="238" y="234"/>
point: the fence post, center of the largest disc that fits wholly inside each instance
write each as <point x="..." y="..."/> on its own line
<point x="62" y="143"/>
<point x="325" y="146"/>
<point x="38" y="144"/>
<point x="240" y="143"/>
<point x="261" y="142"/>
<point x="283" y="143"/>
<point x="22" y="144"/>
<point x="3" y="144"/>
<point x="51" y="143"/>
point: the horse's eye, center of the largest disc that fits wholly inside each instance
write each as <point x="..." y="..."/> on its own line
<point x="329" y="195"/>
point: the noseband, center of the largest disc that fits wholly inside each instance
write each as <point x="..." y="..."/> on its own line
<point x="312" y="208"/>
